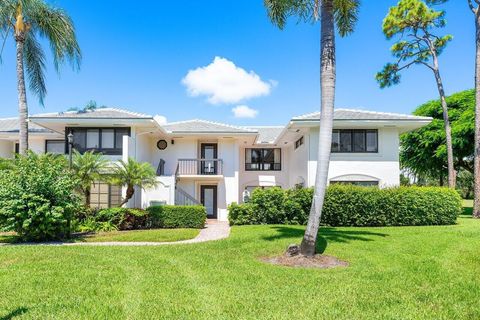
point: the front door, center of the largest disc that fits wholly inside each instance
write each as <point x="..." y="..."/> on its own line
<point x="208" y="198"/>
<point x="208" y="154"/>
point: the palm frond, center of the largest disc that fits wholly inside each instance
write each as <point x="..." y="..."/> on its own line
<point x="280" y="10"/>
<point x="55" y="24"/>
<point x="6" y="14"/>
<point x="346" y="15"/>
<point x="34" y="58"/>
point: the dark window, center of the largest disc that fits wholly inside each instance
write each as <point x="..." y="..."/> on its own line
<point x="298" y="143"/>
<point x="263" y="159"/>
<point x="17" y="148"/>
<point x="108" y="141"/>
<point x="55" y="146"/>
<point x="360" y="141"/>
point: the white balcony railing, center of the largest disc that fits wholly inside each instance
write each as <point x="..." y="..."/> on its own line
<point x="202" y="167"/>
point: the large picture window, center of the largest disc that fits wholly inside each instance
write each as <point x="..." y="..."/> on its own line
<point x="108" y="141"/>
<point x="359" y="141"/>
<point x="263" y="159"/>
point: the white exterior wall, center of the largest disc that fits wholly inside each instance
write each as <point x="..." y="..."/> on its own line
<point x="7" y="148"/>
<point x="297" y="163"/>
<point x="181" y="149"/>
<point x="165" y="191"/>
<point x="228" y="151"/>
<point x="382" y="166"/>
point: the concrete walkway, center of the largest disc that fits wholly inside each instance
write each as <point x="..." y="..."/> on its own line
<point x="214" y="230"/>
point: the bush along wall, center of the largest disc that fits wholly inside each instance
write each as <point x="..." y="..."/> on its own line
<point x="154" y="217"/>
<point x="347" y="205"/>
<point x="168" y="216"/>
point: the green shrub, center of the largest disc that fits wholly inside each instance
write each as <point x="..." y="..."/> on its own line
<point x="347" y="205"/>
<point x="239" y="214"/>
<point x="118" y="218"/>
<point x="37" y="198"/>
<point x="168" y="216"/>
<point x="270" y="203"/>
<point x="92" y="225"/>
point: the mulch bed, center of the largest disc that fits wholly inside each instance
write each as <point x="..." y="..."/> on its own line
<point x="319" y="261"/>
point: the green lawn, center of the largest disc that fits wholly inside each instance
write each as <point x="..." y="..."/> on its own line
<point x="394" y="273"/>
<point x="152" y="235"/>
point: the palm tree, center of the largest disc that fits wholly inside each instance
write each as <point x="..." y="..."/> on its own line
<point x="475" y="7"/>
<point x="88" y="168"/>
<point x="26" y="21"/>
<point x="133" y="174"/>
<point x="333" y="13"/>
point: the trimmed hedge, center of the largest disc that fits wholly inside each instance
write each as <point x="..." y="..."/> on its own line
<point x="168" y="216"/>
<point x="347" y="205"/>
<point x="154" y="217"/>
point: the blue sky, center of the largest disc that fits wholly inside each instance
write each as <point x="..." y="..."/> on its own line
<point x="135" y="57"/>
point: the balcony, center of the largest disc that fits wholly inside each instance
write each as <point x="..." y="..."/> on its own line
<point x="199" y="167"/>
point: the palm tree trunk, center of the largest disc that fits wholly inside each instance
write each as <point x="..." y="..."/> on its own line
<point x="87" y="195"/>
<point x="327" y="79"/>
<point x="128" y="195"/>
<point x="476" y="205"/>
<point x="22" y="95"/>
<point x="448" y="130"/>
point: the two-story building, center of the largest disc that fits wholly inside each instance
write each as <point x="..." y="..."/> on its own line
<point x="215" y="164"/>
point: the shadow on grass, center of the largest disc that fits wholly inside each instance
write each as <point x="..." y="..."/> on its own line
<point x="468" y="211"/>
<point x="14" y="313"/>
<point x="326" y="234"/>
<point x="8" y="238"/>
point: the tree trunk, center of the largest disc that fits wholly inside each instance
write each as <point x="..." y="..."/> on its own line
<point x="22" y="95"/>
<point x="441" y="180"/>
<point x="448" y="130"/>
<point x="87" y="195"/>
<point x="128" y="195"/>
<point x="476" y="204"/>
<point x="327" y="79"/>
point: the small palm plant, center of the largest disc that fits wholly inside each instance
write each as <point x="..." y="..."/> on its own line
<point x="133" y="174"/>
<point x="88" y="167"/>
<point x="26" y="21"/>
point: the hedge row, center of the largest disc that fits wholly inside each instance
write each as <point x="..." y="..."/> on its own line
<point x="347" y="205"/>
<point x="178" y="216"/>
<point x="154" y="217"/>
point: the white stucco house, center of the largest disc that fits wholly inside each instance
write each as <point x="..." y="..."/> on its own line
<point x="215" y="164"/>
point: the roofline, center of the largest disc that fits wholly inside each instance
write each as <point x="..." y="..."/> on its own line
<point x="194" y="133"/>
<point x="239" y="128"/>
<point x="91" y="118"/>
<point x="383" y="120"/>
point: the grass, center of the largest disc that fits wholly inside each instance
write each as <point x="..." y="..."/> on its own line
<point x="152" y="235"/>
<point x="394" y="273"/>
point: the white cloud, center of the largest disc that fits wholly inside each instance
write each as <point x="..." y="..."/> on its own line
<point x="223" y="82"/>
<point x="244" y="112"/>
<point x="160" y="119"/>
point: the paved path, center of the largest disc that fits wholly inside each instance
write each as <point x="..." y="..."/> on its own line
<point x="214" y="230"/>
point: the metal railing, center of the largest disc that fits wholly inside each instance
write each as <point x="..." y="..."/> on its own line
<point x="182" y="198"/>
<point x="199" y="167"/>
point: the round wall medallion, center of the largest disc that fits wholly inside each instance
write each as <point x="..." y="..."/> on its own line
<point x="162" y="144"/>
